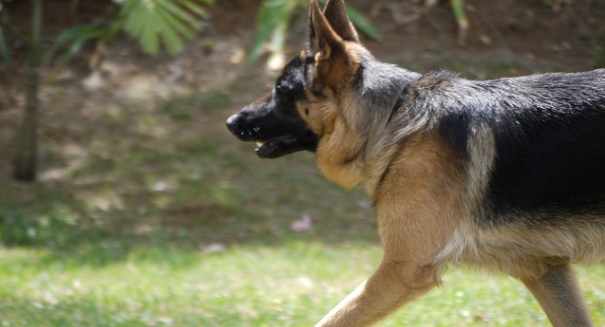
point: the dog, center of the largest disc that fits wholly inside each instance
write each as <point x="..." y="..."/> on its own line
<point x="505" y="175"/>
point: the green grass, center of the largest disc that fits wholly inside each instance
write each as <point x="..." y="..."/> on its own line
<point x="117" y="232"/>
<point x="293" y="284"/>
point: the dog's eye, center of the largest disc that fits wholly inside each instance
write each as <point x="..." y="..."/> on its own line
<point x="280" y="88"/>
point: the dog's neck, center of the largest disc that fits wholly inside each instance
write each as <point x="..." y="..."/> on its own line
<point x="382" y="95"/>
<point x="380" y="127"/>
<point x="366" y="107"/>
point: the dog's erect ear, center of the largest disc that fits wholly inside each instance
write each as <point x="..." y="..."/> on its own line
<point x="336" y="14"/>
<point x="322" y="38"/>
<point x="311" y="47"/>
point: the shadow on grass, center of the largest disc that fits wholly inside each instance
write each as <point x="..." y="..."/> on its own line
<point x="188" y="203"/>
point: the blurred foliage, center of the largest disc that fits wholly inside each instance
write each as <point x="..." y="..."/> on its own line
<point x="72" y="39"/>
<point x="463" y="24"/>
<point x="155" y="24"/>
<point x="272" y="23"/>
<point x="274" y="17"/>
<point x="166" y="22"/>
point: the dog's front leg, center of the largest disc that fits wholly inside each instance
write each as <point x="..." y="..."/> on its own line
<point x="418" y="208"/>
<point x="392" y="284"/>
<point x="408" y="269"/>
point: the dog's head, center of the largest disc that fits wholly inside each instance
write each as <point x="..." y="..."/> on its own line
<point x="302" y="107"/>
<point x="273" y="121"/>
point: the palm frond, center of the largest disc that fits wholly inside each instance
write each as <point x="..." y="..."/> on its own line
<point x="157" y="23"/>
<point x="73" y="38"/>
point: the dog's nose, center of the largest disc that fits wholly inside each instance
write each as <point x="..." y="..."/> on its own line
<point x="232" y="122"/>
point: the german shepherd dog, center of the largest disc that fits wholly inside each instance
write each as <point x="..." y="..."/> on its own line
<point x="506" y="175"/>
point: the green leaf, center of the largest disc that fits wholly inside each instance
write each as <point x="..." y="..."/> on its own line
<point x="162" y="22"/>
<point x="167" y="34"/>
<point x="180" y="12"/>
<point x="148" y="37"/>
<point x="458" y="8"/>
<point x="262" y="35"/>
<point x="363" y="24"/>
<point x="271" y="15"/>
<point x="133" y="14"/>
<point x="196" y="8"/>
<point x="274" y="15"/>
<point x="177" y="25"/>
<point x="75" y="37"/>
<point x="178" y="18"/>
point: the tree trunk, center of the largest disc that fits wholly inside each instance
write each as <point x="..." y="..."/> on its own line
<point x="26" y="147"/>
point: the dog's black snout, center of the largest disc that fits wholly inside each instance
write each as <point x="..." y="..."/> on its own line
<point x="241" y="126"/>
<point x="232" y="122"/>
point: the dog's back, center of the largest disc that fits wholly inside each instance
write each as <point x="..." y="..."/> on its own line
<point x="550" y="150"/>
<point x="548" y="137"/>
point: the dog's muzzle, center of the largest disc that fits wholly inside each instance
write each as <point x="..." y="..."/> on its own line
<point x="272" y="141"/>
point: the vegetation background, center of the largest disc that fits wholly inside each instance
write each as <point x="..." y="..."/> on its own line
<point x="146" y="212"/>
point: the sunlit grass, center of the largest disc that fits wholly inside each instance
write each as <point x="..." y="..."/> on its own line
<point x="289" y="285"/>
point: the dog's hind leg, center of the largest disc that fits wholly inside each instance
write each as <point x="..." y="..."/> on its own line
<point x="559" y="295"/>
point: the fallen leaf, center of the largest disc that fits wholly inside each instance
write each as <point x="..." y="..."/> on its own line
<point x="301" y="225"/>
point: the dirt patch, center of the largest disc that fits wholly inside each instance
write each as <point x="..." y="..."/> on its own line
<point x="507" y="37"/>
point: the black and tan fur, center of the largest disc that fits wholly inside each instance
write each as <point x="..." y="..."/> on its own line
<point x="506" y="175"/>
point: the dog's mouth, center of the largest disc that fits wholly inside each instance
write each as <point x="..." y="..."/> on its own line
<point x="275" y="139"/>
<point x="277" y="147"/>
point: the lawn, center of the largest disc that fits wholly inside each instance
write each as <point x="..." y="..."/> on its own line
<point x="292" y="284"/>
<point x="151" y="214"/>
